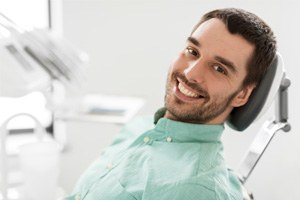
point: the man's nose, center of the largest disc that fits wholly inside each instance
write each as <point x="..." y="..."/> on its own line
<point x="195" y="72"/>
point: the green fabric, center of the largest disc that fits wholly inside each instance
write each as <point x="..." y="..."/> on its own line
<point x="169" y="160"/>
<point x="159" y="114"/>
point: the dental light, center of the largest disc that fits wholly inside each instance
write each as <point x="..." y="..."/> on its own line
<point x="32" y="60"/>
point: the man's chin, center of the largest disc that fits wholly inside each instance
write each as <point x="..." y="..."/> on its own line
<point x="180" y="113"/>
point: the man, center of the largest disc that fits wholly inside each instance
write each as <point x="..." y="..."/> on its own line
<point x="180" y="156"/>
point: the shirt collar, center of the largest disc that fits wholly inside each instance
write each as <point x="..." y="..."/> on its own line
<point x="188" y="132"/>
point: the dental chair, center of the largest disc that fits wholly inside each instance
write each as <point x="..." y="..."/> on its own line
<point x="274" y="85"/>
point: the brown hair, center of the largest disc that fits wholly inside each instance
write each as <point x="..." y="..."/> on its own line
<point x="255" y="31"/>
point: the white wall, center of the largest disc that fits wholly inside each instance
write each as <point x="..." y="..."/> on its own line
<point x="131" y="44"/>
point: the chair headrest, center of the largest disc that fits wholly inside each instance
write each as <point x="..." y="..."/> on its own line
<point x="261" y="97"/>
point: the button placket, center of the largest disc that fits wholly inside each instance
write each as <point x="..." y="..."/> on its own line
<point x="169" y="139"/>
<point x="146" y="139"/>
<point x="78" y="197"/>
<point x="109" y="166"/>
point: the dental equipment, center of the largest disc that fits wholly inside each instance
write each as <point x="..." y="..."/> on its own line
<point x="7" y="186"/>
<point x="273" y="86"/>
<point x="35" y="61"/>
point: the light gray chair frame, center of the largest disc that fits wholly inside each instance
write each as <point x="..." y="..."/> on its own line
<point x="268" y="90"/>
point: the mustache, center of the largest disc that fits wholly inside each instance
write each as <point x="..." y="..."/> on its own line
<point x="194" y="86"/>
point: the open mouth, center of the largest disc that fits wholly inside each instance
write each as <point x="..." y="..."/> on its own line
<point x="186" y="92"/>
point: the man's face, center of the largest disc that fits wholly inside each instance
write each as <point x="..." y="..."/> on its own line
<point x="205" y="80"/>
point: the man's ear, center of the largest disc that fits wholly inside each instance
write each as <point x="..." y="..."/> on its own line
<point x="242" y="97"/>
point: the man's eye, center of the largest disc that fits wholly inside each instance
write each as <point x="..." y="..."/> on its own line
<point x="219" y="69"/>
<point x="191" y="51"/>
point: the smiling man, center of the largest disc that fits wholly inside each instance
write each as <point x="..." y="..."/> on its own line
<point x="205" y="82"/>
<point x="180" y="155"/>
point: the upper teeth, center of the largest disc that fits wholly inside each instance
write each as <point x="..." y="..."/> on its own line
<point x="186" y="92"/>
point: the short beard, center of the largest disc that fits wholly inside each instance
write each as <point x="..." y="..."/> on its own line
<point x="207" y="111"/>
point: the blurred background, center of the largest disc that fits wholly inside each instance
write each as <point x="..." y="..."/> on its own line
<point x="131" y="44"/>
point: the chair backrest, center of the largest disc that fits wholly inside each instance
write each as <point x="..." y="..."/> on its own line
<point x="260" y="99"/>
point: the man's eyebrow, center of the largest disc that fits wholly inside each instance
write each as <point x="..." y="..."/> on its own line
<point x="227" y="63"/>
<point x="193" y="40"/>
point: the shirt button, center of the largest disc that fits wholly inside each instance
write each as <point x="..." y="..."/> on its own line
<point x="77" y="197"/>
<point x="109" y="165"/>
<point x="146" y="139"/>
<point x="169" y="139"/>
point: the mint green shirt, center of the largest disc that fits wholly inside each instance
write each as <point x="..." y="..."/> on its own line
<point x="167" y="161"/>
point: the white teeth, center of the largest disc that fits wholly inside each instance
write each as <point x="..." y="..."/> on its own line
<point x="185" y="91"/>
